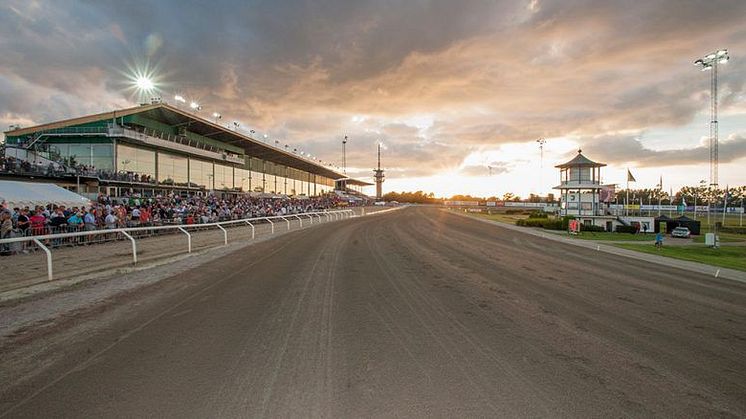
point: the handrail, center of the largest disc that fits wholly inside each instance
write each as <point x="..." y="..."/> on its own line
<point x="148" y="228"/>
<point x="130" y="232"/>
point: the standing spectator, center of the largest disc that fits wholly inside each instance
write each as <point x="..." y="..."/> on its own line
<point x="38" y="223"/>
<point x="75" y="222"/>
<point x="89" y="220"/>
<point x="6" y="227"/>
<point x="110" y="221"/>
<point x="22" y="223"/>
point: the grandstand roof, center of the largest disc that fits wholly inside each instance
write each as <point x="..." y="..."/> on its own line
<point x="356" y="182"/>
<point x="177" y="117"/>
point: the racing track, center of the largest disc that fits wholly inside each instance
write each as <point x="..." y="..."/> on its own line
<point x="413" y="313"/>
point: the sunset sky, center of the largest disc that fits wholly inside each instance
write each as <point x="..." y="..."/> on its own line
<point x="449" y="87"/>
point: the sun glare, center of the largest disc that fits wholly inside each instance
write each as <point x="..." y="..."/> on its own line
<point x="144" y="83"/>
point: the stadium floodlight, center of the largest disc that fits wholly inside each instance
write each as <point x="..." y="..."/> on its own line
<point x="179" y="99"/>
<point x="710" y="62"/>
<point x="217" y="116"/>
<point x="195" y="106"/>
<point x="237" y="124"/>
<point x="144" y="84"/>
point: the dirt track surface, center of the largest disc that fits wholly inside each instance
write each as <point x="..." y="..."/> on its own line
<point x="413" y="313"/>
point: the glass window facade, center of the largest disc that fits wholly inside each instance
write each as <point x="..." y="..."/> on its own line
<point x="241" y="180"/>
<point x="100" y="156"/>
<point x="257" y="181"/>
<point x="173" y="169"/>
<point x="201" y="173"/>
<point x="135" y="160"/>
<point x="223" y="177"/>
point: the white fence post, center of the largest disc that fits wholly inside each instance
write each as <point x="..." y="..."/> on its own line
<point x="252" y="229"/>
<point x="225" y="235"/>
<point x="309" y="217"/>
<point x="49" y="258"/>
<point x="272" y="224"/>
<point x="189" y="239"/>
<point x="134" y="247"/>
<point x="287" y="221"/>
<point x="299" y="219"/>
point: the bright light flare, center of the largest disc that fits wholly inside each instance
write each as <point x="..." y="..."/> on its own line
<point x="144" y="83"/>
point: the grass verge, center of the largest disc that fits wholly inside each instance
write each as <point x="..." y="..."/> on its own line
<point x="501" y="217"/>
<point x="724" y="238"/>
<point x="733" y="257"/>
<point x="602" y="235"/>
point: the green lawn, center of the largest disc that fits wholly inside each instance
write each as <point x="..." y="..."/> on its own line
<point x="502" y="217"/>
<point x="733" y="257"/>
<point x="596" y="235"/>
<point x="724" y="238"/>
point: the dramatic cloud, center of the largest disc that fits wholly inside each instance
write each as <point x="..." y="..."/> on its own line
<point x="435" y="80"/>
<point x="626" y="150"/>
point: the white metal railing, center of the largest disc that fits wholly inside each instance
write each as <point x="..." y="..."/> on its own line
<point x="132" y="232"/>
<point x="173" y="143"/>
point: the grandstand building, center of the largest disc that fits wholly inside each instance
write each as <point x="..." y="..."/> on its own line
<point x="159" y="148"/>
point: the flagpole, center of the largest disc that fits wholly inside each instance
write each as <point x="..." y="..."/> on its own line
<point x="626" y="200"/>
<point x="670" y="201"/>
<point x="725" y="203"/>
<point x="659" y="203"/>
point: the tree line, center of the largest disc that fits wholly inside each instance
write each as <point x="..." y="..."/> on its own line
<point x="704" y="195"/>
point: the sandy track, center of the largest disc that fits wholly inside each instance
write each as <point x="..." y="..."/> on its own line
<point x="412" y="313"/>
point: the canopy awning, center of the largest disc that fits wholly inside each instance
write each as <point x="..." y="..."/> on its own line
<point x="15" y="194"/>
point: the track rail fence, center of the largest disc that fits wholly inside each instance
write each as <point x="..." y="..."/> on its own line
<point x="47" y="242"/>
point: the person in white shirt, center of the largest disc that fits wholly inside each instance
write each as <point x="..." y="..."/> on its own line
<point x="110" y="221"/>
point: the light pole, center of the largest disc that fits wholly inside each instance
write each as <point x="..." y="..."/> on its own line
<point x="344" y="154"/>
<point x="710" y="62"/>
<point x="541" y="142"/>
<point x="217" y="116"/>
<point x="702" y="184"/>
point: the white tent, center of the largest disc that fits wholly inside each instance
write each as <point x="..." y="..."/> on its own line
<point x="21" y="194"/>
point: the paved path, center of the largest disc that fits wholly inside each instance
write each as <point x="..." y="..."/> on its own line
<point x="415" y="313"/>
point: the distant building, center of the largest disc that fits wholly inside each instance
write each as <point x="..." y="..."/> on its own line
<point x="580" y="196"/>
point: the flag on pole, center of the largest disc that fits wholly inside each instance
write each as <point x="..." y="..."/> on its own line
<point x="630" y="178"/>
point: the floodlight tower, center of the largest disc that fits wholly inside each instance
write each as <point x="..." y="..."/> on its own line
<point x="379" y="176"/>
<point x="541" y="142"/>
<point x="344" y="154"/>
<point x="710" y="62"/>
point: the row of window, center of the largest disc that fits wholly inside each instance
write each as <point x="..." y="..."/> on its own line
<point x="182" y="171"/>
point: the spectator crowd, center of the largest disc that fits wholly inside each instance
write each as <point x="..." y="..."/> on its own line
<point x="134" y="211"/>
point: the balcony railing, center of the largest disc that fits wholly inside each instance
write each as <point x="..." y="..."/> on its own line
<point x="174" y="142"/>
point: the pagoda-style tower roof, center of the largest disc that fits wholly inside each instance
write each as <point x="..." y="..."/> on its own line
<point x="580" y="161"/>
